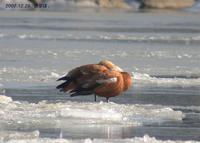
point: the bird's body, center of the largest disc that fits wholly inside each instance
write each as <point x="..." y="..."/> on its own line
<point x="80" y="76"/>
<point x="104" y="79"/>
<point x="112" y="84"/>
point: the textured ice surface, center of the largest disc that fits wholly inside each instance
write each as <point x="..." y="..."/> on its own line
<point x="33" y="137"/>
<point x="108" y="37"/>
<point x="143" y="79"/>
<point x="5" y="99"/>
<point x="59" y="114"/>
<point x="24" y="74"/>
<point x="14" y="136"/>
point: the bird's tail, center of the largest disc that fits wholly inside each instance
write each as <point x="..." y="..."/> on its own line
<point x="67" y="85"/>
<point x="68" y="78"/>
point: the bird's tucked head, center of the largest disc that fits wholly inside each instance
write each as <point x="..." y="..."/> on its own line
<point x="110" y="65"/>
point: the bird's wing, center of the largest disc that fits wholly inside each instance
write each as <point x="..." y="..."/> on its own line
<point x="106" y="77"/>
<point x="90" y="74"/>
<point x="92" y="69"/>
<point x="88" y="84"/>
<point x="71" y="75"/>
<point x="89" y="69"/>
<point x="97" y="80"/>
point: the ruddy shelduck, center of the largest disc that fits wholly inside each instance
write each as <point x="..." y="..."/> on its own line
<point x="104" y="79"/>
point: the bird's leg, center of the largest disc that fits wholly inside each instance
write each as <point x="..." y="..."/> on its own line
<point x="107" y="99"/>
<point x="95" y="97"/>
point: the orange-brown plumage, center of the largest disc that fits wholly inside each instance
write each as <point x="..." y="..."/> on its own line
<point x="104" y="79"/>
<point x="79" y="76"/>
<point x="127" y="80"/>
<point x="111" y="89"/>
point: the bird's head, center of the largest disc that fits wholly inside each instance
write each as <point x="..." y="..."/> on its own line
<point x="110" y="65"/>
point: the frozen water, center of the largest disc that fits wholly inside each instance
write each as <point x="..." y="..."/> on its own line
<point x="161" y="50"/>
<point x="59" y="114"/>
<point x="179" y="81"/>
<point x="11" y="136"/>
<point x="5" y="99"/>
<point x="32" y="138"/>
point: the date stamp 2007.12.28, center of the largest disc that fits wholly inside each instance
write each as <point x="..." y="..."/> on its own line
<point x="25" y="6"/>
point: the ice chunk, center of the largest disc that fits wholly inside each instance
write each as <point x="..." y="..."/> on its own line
<point x="5" y="99"/>
<point x="15" y="135"/>
<point x="53" y="74"/>
<point x="60" y="114"/>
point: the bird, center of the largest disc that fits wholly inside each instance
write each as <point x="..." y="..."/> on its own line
<point x="109" y="84"/>
<point x="79" y="75"/>
<point x="104" y="79"/>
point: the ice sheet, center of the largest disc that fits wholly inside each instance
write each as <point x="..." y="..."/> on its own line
<point x="143" y="78"/>
<point x="60" y="114"/>
<point x="32" y="137"/>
